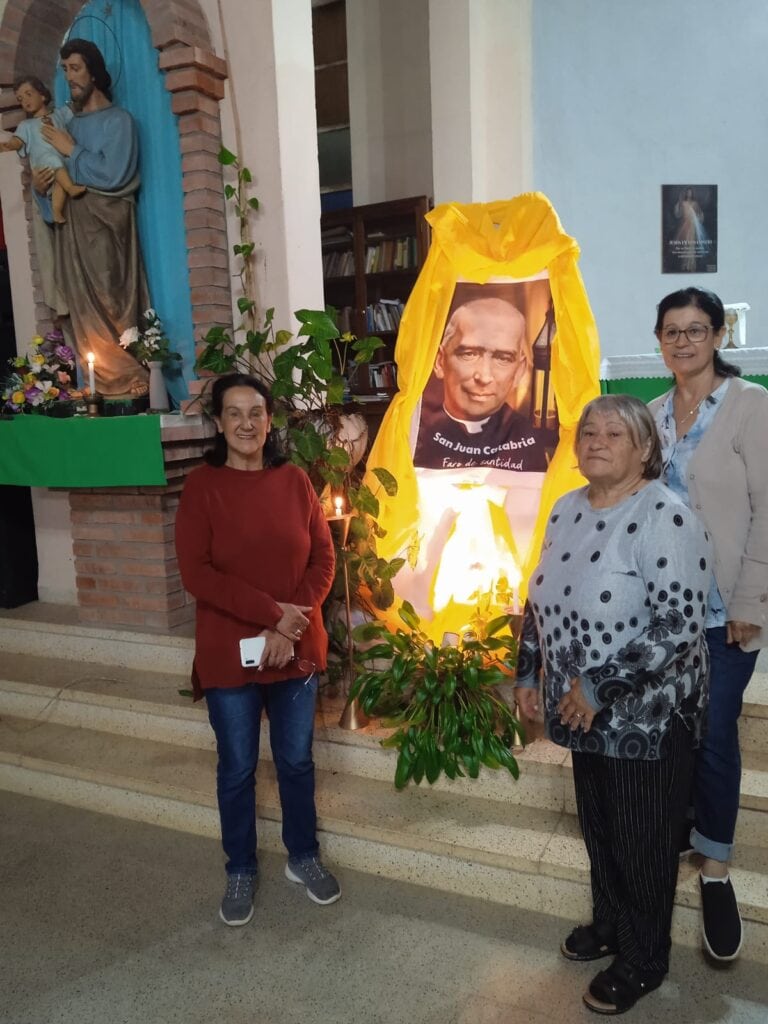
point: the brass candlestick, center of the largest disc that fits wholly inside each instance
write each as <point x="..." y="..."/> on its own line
<point x="94" y="404"/>
<point x="353" y="716"/>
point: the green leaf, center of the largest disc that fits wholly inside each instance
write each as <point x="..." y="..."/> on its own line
<point x="496" y="624"/>
<point x="316" y="323"/>
<point x="282" y="337"/>
<point x="244" y="304"/>
<point x="335" y="392"/>
<point x="364" y="500"/>
<point x="226" y="158"/>
<point x="387" y="481"/>
<point x="245" y="175"/>
<point x="369" y="631"/>
<point x="403" y="771"/>
<point x="230" y="191"/>
<point x="338" y="458"/>
<point x="253" y="202"/>
<point x="382" y="595"/>
<point x="244" y="250"/>
<point x="408" y="615"/>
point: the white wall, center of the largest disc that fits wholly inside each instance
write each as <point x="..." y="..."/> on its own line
<point x="389" y="100"/>
<point x="628" y="97"/>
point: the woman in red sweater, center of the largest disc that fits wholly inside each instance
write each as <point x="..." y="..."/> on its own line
<point x="255" y="550"/>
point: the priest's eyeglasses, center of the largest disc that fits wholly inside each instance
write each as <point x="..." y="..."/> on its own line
<point x="696" y="333"/>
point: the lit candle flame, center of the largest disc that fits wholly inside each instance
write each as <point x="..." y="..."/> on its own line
<point x="338" y="504"/>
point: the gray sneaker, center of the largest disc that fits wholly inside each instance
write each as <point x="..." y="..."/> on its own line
<point x="320" y="884"/>
<point x="237" y="906"/>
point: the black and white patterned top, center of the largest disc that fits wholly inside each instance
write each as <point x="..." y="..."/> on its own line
<point x="619" y="600"/>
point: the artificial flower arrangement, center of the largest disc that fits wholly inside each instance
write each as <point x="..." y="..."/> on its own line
<point x="41" y="378"/>
<point x="147" y="342"/>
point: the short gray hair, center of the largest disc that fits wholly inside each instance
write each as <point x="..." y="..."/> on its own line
<point x="639" y="422"/>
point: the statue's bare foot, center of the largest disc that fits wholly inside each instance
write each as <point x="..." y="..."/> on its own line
<point x="139" y="388"/>
<point x="59" y="218"/>
<point x="76" y="190"/>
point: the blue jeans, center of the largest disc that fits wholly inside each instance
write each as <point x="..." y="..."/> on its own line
<point x="717" y="774"/>
<point x="235" y="716"/>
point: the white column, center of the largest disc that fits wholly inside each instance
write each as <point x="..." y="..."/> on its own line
<point x="271" y="93"/>
<point x="480" y="68"/>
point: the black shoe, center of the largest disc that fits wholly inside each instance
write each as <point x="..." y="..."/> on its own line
<point x="617" y="989"/>
<point x="590" y="942"/>
<point x="723" y="933"/>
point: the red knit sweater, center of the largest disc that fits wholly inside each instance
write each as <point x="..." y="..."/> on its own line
<point x="246" y="539"/>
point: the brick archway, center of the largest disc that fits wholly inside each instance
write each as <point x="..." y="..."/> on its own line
<point x="31" y="33"/>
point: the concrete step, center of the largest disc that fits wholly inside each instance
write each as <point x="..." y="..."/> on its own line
<point x="148" y="705"/>
<point x="74" y="641"/>
<point x="503" y="852"/>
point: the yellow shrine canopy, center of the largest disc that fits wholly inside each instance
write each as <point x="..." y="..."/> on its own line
<point x="496" y="356"/>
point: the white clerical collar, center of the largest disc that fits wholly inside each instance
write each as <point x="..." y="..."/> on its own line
<point x="471" y="426"/>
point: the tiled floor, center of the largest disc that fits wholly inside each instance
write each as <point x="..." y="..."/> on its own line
<point x="104" y="921"/>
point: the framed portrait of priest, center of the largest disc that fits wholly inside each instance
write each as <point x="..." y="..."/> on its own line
<point x="489" y="400"/>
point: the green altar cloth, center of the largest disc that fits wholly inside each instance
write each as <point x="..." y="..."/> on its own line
<point x="43" y="451"/>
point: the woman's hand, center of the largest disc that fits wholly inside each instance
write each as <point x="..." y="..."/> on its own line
<point x="61" y="141"/>
<point x="740" y="632"/>
<point x="574" y="708"/>
<point x="42" y="179"/>
<point x="527" y="698"/>
<point x="278" y="650"/>
<point x="293" y="621"/>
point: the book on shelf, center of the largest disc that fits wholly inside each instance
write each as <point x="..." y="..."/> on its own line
<point x="344" y="319"/>
<point x="390" y="254"/>
<point x="383" y="375"/>
<point x="384" y="315"/>
<point x="338" y="263"/>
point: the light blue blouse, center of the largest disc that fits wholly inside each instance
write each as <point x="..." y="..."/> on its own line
<point x="677" y="453"/>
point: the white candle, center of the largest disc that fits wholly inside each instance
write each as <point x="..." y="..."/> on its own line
<point x="515" y="601"/>
<point x="91" y="373"/>
<point x="338" y="504"/>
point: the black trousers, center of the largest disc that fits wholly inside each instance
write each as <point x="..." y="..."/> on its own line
<point x="631" y="814"/>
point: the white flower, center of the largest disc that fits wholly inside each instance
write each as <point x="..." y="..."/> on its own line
<point x="129" y="337"/>
<point x="45" y="386"/>
<point x="150" y="314"/>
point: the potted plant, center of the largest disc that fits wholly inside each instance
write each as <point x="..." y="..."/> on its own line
<point x="443" y="702"/>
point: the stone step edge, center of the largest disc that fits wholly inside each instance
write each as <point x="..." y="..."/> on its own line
<point x="151" y="650"/>
<point x="96" y="644"/>
<point x="180" y="804"/>
<point x="187" y="727"/>
<point x="565" y="898"/>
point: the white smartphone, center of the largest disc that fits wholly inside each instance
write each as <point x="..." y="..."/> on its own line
<point x="251" y="651"/>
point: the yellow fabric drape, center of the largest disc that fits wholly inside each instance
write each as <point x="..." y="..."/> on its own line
<point x="517" y="238"/>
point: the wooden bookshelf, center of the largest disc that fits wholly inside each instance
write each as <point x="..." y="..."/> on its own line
<point x="372" y="256"/>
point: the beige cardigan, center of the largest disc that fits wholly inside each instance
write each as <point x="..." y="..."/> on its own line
<point x="728" y="489"/>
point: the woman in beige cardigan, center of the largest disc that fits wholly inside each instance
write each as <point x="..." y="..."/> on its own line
<point x="713" y="428"/>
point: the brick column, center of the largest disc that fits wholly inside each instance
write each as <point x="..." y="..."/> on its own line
<point x="122" y="540"/>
